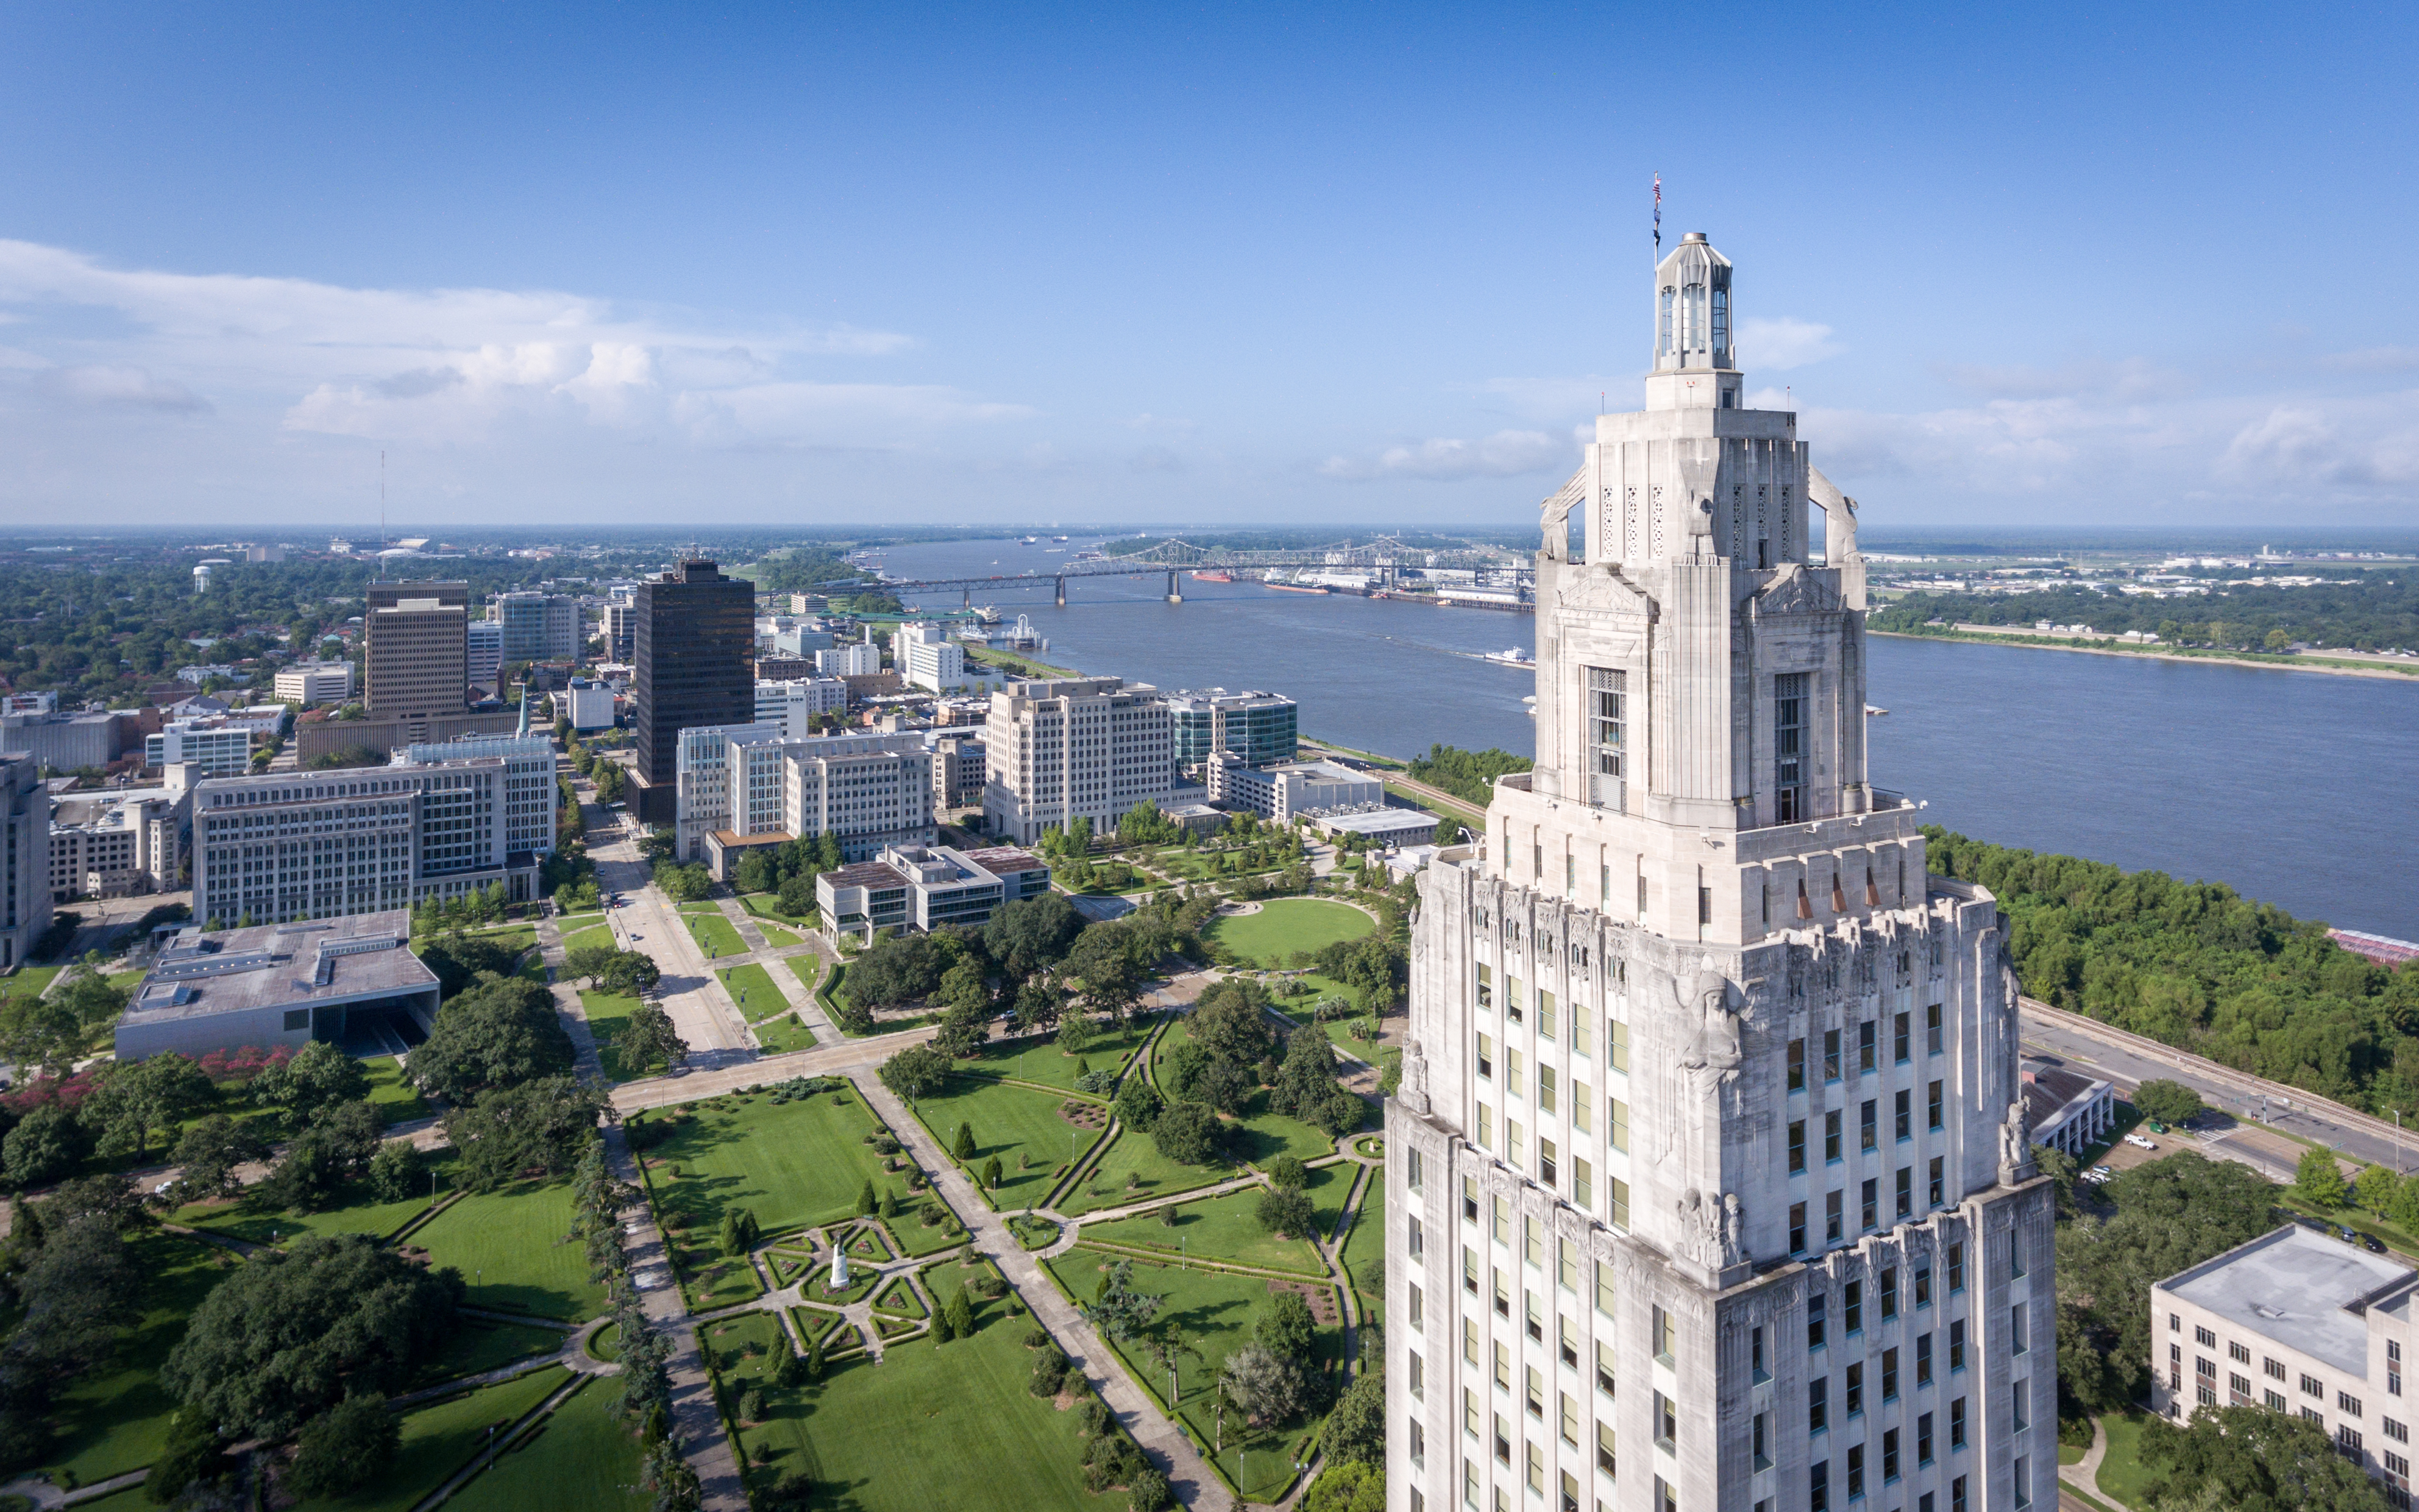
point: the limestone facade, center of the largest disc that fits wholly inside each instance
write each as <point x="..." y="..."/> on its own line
<point x="1708" y="1188"/>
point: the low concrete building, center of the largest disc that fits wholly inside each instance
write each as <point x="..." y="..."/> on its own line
<point x="2296" y="1321"/>
<point x="2068" y="1110"/>
<point x="860" y="658"/>
<point x="1290" y="790"/>
<point x="920" y="886"/>
<point x="1390" y="828"/>
<point x="793" y="702"/>
<point x="316" y="682"/>
<point x="218" y="746"/>
<point x="588" y="703"/>
<point x="279" y="985"/>
<point x="63" y="742"/>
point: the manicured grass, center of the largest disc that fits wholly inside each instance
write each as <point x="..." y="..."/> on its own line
<point x="116" y="1418"/>
<point x="780" y="1036"/>
<point x="396" y="1099"/>
<point x="1008" y="1121"/>
<point x="766" y="905"/>
<point x="714" y="934"/>
<point x="606" y="1014"/>
<point x="899" y="1298"/>
<point x="593" y="935"/>
<point x="1216" y="1312"/>
<point x="751" y="987"/>
<point x="809" y="969"/>
<point x="775" y="936"/>
<point x="362" y="1212"/>
<point x="1131" y="1152"/>
<point x="1214" y="1228"/>
<point x="799" y="1164"/>
<point x="702" y="906"/>
<point x="1367" y="1245"/>
<point x="721" y="1281"/>
<point x="909" y="1231"/>
<point x="1285" y="925"/>
<point x="2123" y="1475"/>
<point x="957" y="1428"/>
<point x="581" y="1456"/>
<point x="480" y="1346"/>
<point x="441" y="1438"/>
<point x="1327" y="1187"/>
<point x="1038" y="1058"/>
<point x="507" y="1245"/>
<point x="1260" y="1135"/>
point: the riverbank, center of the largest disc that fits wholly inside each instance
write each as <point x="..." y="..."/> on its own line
<point x="2294" y="662"/>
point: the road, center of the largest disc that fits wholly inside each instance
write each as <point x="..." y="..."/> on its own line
<point x="2130" y="1060"/>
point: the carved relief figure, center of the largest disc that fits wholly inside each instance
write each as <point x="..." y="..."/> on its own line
<point x="1712" y="1057"/>
<point x="2015" y="1138"/>
<point x="1734" y="1231"/>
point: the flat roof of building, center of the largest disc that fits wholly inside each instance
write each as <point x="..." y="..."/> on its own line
<point x="2294" y="1285"/>
<point x="280" y="965"/>
<point x="1378" y="821"/>
<point x="1005" y="858"/>
<point x="866" y="874"/>
<point x="730" y="840"/>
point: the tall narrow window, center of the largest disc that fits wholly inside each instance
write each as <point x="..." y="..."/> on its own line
<point x="1721" y="325"/>
<point x="1788" y="746"/>
<point x="1608" y="734"/>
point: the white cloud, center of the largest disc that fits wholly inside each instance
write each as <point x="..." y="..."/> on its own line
<point x="1506" y="453"/>
<point x="1783" y="342"/>
<point x="119" y="387"/>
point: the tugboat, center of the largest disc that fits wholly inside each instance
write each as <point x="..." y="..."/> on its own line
<point x="1514" y="657"/>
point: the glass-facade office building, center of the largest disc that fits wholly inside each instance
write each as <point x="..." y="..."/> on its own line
<point x="1258" y="727"/>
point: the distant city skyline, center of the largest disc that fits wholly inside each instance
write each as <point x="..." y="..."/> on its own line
<point x="822" y="270"/>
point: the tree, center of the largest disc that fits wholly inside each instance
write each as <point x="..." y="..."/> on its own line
<point x="458" y="964"/>
<point x="914" y="1071"/>
<point x="394" y="1172"/>
<point x="49" y="1142"/>
<point x="319" y="1075"/>
<point x="37" y="1031"/>
<point x="1288" y="1173"/>
<point x="797" y="894"/>
<point x="589" y="962"/>
<point x="962" y="1149"/>
<point x="1136" y="1104"/>
<point x="740" y="1233"/>
<point x="136" y="1097"/>
<point x="1286" y="1329"/>
<point x="648" y="1037"/>
<point x="866" y="1201"/>
<point x="1074" y="1034"/>
<point x="76" y="1291"/>
<point x="1266" y="1387"/>
<point x="497" y="1035"/>
<point x="1356" y="1429"/>
<point x="2376" y="1187"/>
<point x="1188" y="1133"/>
<point x="1307" y="1087"/>
<point x="1147" y="1490"/>
<point x="2250" y="1459"/>
<point x="206" y="1155"/>
<point x="346" y="1447"/>
<point x="334" y="1149"/>
<point x="991" y="1173"/>
<point x="1103" y="961"/>
<point x="1117" y="1309"/>
<point x="1037" y="1004"/>
<point x="192" y="1454"/>
<point x="2167" y="1102"/>
<point x="1231" y="1022"/>
<point x="630" y="973"/>
<point x="1284" y="1211"/>
<point x="542" y="1125"/>
<point x="284" y="1337"/>
<point x="2317" y="1179"/>
<point x="1346" y="1484"/>
<point x="961" y="1314"/>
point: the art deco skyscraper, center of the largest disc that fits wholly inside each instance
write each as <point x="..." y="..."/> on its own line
<point x="1708" y="1188"/>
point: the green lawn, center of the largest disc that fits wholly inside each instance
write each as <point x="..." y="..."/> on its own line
<point x="1037" y="1058"/>
<point x="800" y="1163"/>
<point x="1132" y="1152"/>
<point x="899" y="1298"/>
<point x="957" y="1428"/>
<point x="508" y="1247"/>
<point x="362" y="1212"/>
<point x="116" y="1418"/>
<point x="606" y="1014"/>
<point x="766" y="905"/>
<point x="912" y="1234"/>
<point x="717" y="1281"/>
<point x="704" y="905"/>
<point x="1216" y="1313"/>
<point x="1009" y="1122"/>
<point x="441" y="1438"/>
<point x="480" y="1346"/>
<point x="775" y="936"/>
<point x="593" y="935"/>
<point x="396" y="1099"/>
<point x="780" y="1036"/>
<point x="1285" y="925"/>
<point x="751" y="987"/>
<point x="1222" y="1228"/>
<point x="580" y="1457"/>
<point x="2121" y="1473"/>
<point x="1260" y="1135"/>
<point x="809" y="969"/>
<point x="714" y="934"/>
<point x="1367" y="1245"/>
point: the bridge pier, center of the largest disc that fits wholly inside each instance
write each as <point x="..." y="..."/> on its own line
<point x="1062" y="593"/>
<point x="1174" y="594"/>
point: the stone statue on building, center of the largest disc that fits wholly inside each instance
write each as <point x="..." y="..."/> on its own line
<point x="1712" y="1057"/>
<point x="2015" y="1143"/>
<point x="1734" y="1231"/>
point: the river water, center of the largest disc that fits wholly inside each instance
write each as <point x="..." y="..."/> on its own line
<point x="2297" y="788"/>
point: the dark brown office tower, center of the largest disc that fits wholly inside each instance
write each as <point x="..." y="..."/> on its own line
<point x="695" y="628"/>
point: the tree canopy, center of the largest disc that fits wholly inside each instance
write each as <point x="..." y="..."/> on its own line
<point x="2250" y="1459"/>
<point x="499" y="1034"/>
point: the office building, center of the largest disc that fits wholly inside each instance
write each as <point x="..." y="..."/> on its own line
<point x="316" y="682"/>
<point x="531" y="800"/>
<point x="961" y="766"/>
<point x="801" y="641"/>
<point x="1392" y="828"/>
<point x="1258" y="729"/>
<point x="264" y="553"/>
<point x="281" y="986"/>
<point x="24" y="854"/>
<point x="748" y="784"/>
<point x="2295" y="1321"/>
<point x="415" y="663"/>
<point x="1709" y="1185"/>
<point x="538" y="626"/>
<point x="927" y="658"/>
<point x="29" y="703"/>
<point x="320" y="844"/>
<point x="621" y="630"/>
<point x="484" y="654"/>
<point x="63" y="742"/>
<point x="1292" y="790"/>
<point x="923" y="887"/>
<point x="1077" y="747"/>
<point x="792" y="703"/>
<point x="121" y="841"/>
<point x="216" y="745"/>
<point x="588" y="703"/>
<point x="858" y="658"/>
<point x="695" y="631"/>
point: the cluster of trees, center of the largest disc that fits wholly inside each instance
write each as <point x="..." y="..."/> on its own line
<point x="1233" y="1052"/>
<point x="2250" y="1459"/>
<point x="1467" y="775"/>
<point x="2362" y="611"/>
<point x="609" y="777"/>
<point x="498" y="1054"/>
<point x="683" y="883"/>
<point x="68" y="1275"/>
<point x="790" y="871"/>
<point x="54" y="1033"/>
<point x="2196" y="966"/>
<point x="1274" y="1378"/>
<point x="2318" y="1180"/>
<point x="467" y="910"/>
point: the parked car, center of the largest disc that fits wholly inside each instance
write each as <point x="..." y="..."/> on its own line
<point x="2103" y="1172"/>
<point x="2372" y="1243"/>
<point x="2349" y="1236"/>
<point x="2141" y="1142"/>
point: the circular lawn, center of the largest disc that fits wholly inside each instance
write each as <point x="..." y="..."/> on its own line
<point x="1285" y="925"/>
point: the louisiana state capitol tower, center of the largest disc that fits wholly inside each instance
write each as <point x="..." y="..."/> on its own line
<point x="1708" y="1185"/>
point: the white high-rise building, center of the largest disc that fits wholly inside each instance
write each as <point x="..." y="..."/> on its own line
<point x="24" y="857"/>
<point x="748" y="784"/>
<point x="1708" y="1185"/>
<point x="927" y="657"/>
<point x="791" y="703"/>
<point x="858" y="658"/>
<point x="1073" y="748"/>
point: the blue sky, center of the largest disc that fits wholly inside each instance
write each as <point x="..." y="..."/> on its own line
<point x="828" y="267"/>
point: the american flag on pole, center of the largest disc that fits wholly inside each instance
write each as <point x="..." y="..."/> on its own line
<point x="1658" y="214"/>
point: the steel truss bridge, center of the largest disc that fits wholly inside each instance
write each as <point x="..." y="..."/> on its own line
<point x="1384" y="558"/>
